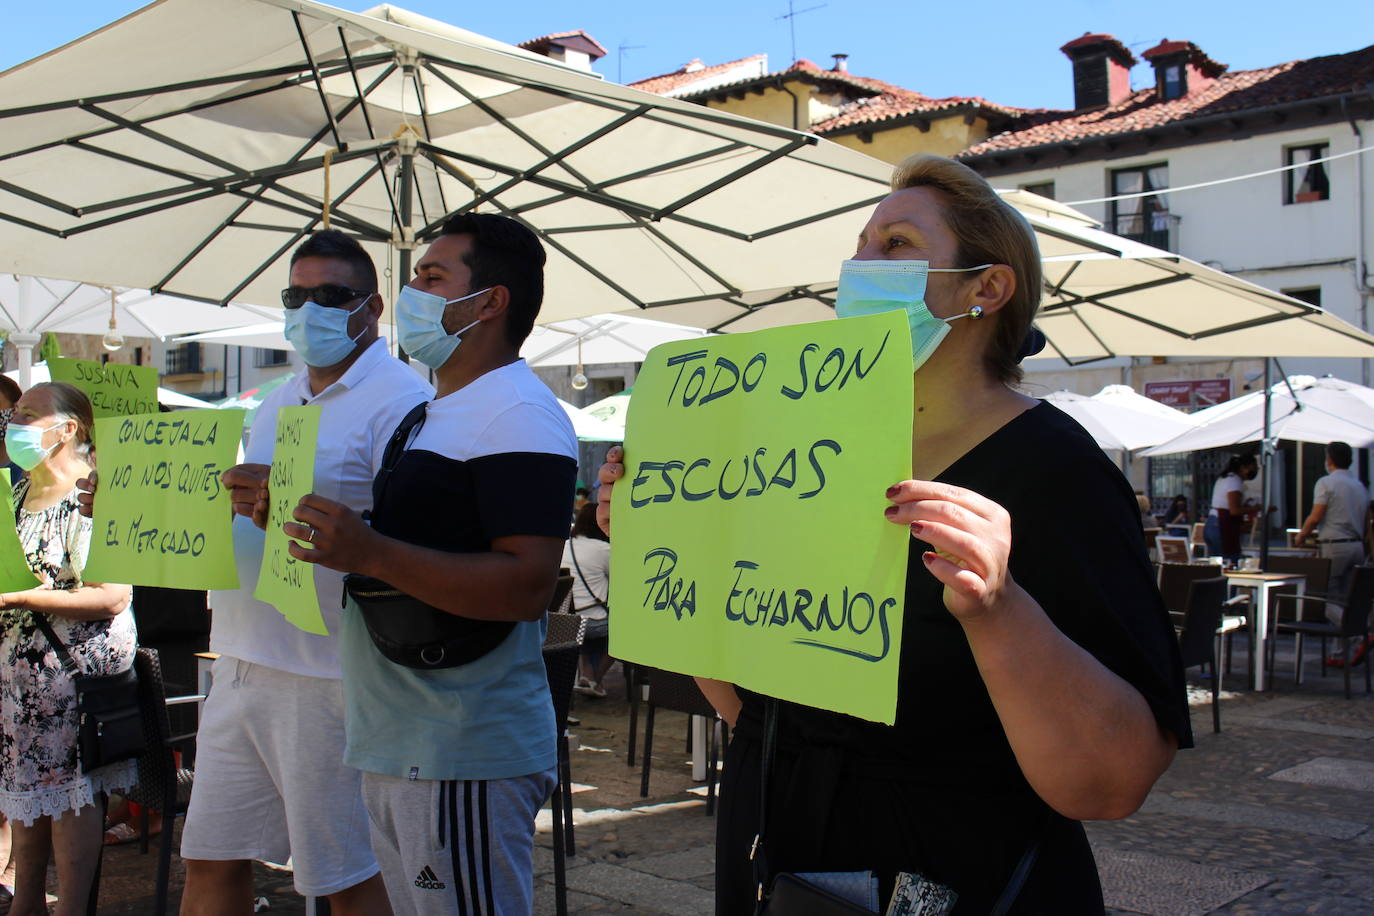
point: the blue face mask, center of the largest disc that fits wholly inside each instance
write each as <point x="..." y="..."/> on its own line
<point x="24" y="444"/>
<point x="320" y="333"/>
<point x="420" y="325"/>
<point x="870" y="287"/>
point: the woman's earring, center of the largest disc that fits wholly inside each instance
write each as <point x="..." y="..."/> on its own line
<point x="976" y="312"/>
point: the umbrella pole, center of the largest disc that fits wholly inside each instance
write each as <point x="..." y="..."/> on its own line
<point x="1266" y="452"/>
<point x="406" y="241"/>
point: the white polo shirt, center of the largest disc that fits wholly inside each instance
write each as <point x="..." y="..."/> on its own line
<point x="358" y="414"/>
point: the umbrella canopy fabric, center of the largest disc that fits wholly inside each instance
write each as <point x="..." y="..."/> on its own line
<point x="1107" y="296"/>
<point x="603" y="339"/>
<point x="219" y="156"/>
<point x="588" y="428"/>
<point x="1115" y="424"/>
<point x="1325" y="410"/>
<point x="612" y="409"/>
<point x="37" y="305"/>
<point x="39" y="374"/>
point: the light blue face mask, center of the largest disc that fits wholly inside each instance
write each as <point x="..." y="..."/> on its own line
<point x="24" y="444"/>
<point x="420" y="325"/>
<point x="320" y="333"/>
<point x="870" y="287"/>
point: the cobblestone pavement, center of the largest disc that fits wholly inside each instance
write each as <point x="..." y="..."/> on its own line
<point x="1272" y="816"/>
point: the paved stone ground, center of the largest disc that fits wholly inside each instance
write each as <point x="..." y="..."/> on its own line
<point x="1272" y="816"/>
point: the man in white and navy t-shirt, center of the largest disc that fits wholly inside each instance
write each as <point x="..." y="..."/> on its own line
<point x="471" y="520"/>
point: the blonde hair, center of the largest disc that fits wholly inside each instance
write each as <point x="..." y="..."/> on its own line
<point x="988" y="231"/>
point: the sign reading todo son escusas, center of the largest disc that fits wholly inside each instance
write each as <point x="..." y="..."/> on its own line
<point x="748" y="540"/>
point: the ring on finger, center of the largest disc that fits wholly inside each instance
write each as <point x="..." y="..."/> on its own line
<point x="310" y="534"/>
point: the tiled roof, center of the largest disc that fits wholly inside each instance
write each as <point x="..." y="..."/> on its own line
<point x="540" y="45"/>
<point x="1142" y="110"/>
<point x="1196" y="57"/>
<point x="904" y="103"/>
<point x="690" y="72"/>
<point x="876" y="100"/>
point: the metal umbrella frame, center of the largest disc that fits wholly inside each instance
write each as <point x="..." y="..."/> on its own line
<point x="195" y="172"/>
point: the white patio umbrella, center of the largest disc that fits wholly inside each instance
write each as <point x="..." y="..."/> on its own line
<point x="1117" y="425"/>
<point x="31" y="306"/>
<point x="612" y="409"/>
<point x="602" y="339"/>
<point x="1106" y="297"/>
<point x="39" y="373"/>
<point x="136" y="157"/>
<point x="1324" y="410"/>
<point x="589" y="429"/>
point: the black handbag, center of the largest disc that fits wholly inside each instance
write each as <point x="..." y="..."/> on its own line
<point x="406" y="630"/>
<point x="109" y="715"/>
<point x="792" y="895"/>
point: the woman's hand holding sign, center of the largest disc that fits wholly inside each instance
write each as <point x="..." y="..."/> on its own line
<point x="971" y="540"/>
<point x="338" y="537"/>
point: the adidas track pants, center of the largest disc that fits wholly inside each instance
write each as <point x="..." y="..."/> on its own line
<point x="461" y="847"/>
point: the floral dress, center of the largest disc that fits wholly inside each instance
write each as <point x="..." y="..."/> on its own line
<point x="39" y="772"/>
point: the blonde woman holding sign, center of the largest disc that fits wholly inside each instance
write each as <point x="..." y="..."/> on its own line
<point x="1040" y="682"/>
<point x="48" y="798"/>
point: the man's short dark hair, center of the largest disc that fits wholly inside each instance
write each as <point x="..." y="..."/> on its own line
<point x="504" y="253"/>
<point x="334" y="245"/>
<point x="1340" y="454"/>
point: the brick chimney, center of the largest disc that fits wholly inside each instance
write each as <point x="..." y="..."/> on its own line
<point x="1101" y="70"/>
<point x="1181" y="68"/>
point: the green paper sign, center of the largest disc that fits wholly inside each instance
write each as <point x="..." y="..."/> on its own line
<point x="749" y="543"/>
<point x="15" y="573"/>
<point x="161" y="515"/>
<point x="284" y="582"/>
<point x="115" y="390"/>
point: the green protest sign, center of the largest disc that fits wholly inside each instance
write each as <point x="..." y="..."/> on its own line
<point x="15" y="573"/>
<point x="284" y="582"/>
<point x="749" y="539"/>
<point x="115" y="390"/>
<point x="161" y="515"/>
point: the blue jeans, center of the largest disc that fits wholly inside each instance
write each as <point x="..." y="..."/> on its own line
<point x="1211" y="533"/>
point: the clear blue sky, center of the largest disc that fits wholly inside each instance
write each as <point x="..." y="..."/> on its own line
<point x="1006" y="52"/>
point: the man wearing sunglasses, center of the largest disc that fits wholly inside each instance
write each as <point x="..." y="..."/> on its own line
<point x="457" y="752"/>
<point x="270" y="776"/>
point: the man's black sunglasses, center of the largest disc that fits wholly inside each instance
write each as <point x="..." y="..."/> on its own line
<point x="331" y="295"/>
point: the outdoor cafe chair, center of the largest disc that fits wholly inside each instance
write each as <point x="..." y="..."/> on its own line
<point x="680" y="693"/>
<point x="1359" y="599"/>
<point x="163" y="785"/>
<point x="1172" y="549"/>
<point x="562" y="646"/>
<point x="1199" y="639"/>
<point x="1175" y="581"/>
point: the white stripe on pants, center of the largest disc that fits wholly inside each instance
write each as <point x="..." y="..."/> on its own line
<point x="456" y="847"/>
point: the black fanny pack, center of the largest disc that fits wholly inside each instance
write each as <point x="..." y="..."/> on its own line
<point x="411" y="633"/>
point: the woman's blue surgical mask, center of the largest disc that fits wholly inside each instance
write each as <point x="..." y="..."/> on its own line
<point x="320" y="333"/>
<point x="24" y="444"/>
<point x="420" y="325"/>
<point x="870" y="287"/>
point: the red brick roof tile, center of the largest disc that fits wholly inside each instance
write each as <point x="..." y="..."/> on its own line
<point x="1232" y="92"/>
<point x="686" y="75"/>
<point x="1196" y="57"/>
